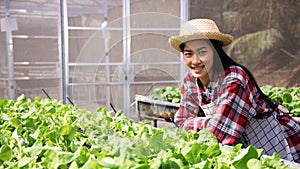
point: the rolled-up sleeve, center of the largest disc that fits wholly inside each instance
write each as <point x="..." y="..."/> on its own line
<point x="187" y="114"/>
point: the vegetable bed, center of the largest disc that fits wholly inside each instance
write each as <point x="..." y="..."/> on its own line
<point x="43" y="133"/>
<point x="288" y="97"/>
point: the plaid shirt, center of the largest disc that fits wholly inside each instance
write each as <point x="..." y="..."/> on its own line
<point x="236" y="100"/>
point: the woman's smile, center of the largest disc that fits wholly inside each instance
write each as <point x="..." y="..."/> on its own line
<point x="198" y="57"/>
<point x="198" y="69"/>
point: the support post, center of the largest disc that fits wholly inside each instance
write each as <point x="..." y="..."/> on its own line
<point x="64" y="49"/>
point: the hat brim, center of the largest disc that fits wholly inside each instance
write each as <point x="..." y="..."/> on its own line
<point x="176" y="41"/>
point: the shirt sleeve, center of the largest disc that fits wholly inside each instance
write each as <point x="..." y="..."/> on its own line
<point x="187" y="114"/>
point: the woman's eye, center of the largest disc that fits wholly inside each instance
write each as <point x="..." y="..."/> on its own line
<point x="188" y="54"/>
<point x="202" y="52"/>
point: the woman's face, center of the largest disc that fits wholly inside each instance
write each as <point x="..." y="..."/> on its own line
<point x="198" y="57"/>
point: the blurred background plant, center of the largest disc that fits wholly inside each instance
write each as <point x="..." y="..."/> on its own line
<point x="267" y="38"/>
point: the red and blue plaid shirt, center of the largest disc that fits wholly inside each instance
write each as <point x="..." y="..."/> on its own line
<point x="236" y="100"/>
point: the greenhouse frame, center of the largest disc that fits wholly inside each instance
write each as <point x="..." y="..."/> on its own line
<point x="102" y="69"/>
<point x="102" y="53"/>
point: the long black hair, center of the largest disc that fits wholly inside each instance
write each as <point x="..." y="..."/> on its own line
<point x="226" y="61"/>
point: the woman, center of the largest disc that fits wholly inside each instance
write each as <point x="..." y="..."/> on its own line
<point x="222" y="96"/>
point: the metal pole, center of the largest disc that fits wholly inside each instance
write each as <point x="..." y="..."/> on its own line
<point x="10" y="63"/>
<point x="10" y="57"/>
<point x="184" y="15"/>
<point x="126" y="55"/>
<point x="106" y="48"/>
<point x="64" y="49"/>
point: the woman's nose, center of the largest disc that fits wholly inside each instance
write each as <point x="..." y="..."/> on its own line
<point x="196" y="59"/>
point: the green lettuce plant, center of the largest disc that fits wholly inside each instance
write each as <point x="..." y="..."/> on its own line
<point x="44" y="133"/>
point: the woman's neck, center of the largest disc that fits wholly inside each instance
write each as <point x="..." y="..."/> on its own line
<point x="203" y="82"/>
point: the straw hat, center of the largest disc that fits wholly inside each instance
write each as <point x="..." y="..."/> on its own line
<point x="199" y="29"/>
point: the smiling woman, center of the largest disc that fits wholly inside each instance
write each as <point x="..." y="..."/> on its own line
<point x="222" y="96"/>
<point x="199" y="62"/>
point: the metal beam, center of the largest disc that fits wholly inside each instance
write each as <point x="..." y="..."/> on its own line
<point x="106" y="37"/>
<point x="54" y="10"/>
<point x="64" y="46"/>
<point x="184" y="5"/>
<point x="10" y="56"/>
<point x="126" y="55"/>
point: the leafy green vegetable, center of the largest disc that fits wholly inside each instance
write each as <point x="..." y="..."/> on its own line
<point x="44" y="133"/>
<point x="170" y="94"/>
<point x="288" y="97"/>
<point x="240" y="161"/>
<point x="254" y="164"/>
<point x="5" y="153"/>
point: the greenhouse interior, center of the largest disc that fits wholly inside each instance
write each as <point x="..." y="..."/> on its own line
<point x="98" y="53"/>
<point x="62" y="60"/>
